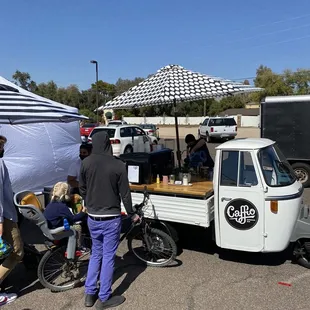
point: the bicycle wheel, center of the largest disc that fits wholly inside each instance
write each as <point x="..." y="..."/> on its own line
<point x="58" y="273"/>
<point x="162" y="250"/>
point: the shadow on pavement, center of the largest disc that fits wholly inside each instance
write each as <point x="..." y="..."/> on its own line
<point x="22" y="281"/>
<point x="200" y="240"/>
<point x="126" y="265"/>
<point x="23" y="278"/>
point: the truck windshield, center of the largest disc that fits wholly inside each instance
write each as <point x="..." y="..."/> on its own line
<point x="277" y="171"/>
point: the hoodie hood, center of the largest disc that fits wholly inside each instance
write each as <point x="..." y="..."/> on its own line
<point x="101" y="144"/>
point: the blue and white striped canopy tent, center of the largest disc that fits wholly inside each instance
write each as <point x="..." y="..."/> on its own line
<point x="43" y="137"/>
<point x="172" y="85"/>
<point x="18" y="106"/>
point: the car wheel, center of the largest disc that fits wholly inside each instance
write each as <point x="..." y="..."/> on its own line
<point x="155" y="142"/>
<point x="128" y="149"/>
<point x="208" y="138"/>
<point x="302" y="172"/>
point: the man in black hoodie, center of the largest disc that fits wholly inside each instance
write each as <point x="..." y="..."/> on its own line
<point x="103" y="183"/>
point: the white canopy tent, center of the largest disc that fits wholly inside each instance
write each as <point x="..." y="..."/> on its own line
<point x="39" y="154"/>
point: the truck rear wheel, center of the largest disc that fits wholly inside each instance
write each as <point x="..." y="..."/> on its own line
<point x="302" y="171"/>
<point x="302" y="253"/>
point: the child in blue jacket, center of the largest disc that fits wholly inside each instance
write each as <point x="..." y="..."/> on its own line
<point x="57" y="210"/>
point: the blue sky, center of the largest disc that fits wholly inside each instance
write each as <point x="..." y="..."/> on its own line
<point x="55" y="40"/>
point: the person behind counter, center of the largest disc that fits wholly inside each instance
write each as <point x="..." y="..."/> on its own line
<point x="198" y="152"/>
<point x="74" y="169"/>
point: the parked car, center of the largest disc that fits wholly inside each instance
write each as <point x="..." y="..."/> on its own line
<point x="150" y="129"/>
<point x="218" y="128"/>
<point x="126" y="139"/>
<point x="87" y="128"/>
<point x="117" y="123"/>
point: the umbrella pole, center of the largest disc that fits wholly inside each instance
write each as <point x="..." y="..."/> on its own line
<point x="177" y="134"/>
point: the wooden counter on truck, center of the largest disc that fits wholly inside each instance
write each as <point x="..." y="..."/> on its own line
<point x="199" y="190"/>
<point x="191" y="205"/>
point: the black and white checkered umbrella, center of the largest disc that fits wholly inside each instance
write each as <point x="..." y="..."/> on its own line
<point x="174" y="84"/>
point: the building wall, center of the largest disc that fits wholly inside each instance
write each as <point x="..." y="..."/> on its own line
<point x="246" y="121"/>
<point x="252" y="106"/>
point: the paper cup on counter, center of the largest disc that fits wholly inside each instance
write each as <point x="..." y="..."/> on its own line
<point x="165" y="179"/>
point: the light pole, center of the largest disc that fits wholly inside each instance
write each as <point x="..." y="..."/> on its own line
<point x="97" y="92"/>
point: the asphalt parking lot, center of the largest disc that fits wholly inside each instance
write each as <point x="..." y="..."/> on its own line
<point x="204" y="277"/>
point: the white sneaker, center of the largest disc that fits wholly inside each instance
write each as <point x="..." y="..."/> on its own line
<point x="6" y="298"/>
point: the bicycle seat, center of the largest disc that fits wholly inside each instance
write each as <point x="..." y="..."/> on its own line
<point x="33" y="213"/>
<point x="31" y="199"/>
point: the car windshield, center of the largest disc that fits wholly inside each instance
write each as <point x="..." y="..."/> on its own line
<point x="276" y="170"/>
<point x="222" y="122"/>
<point x="147" y="126"/>
<point x="109" y="131"/>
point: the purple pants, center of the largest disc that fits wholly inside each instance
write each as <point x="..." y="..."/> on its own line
<point x="105" y="239"/>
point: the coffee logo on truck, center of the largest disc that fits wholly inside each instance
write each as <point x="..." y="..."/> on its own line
<point x="241" y="214"/>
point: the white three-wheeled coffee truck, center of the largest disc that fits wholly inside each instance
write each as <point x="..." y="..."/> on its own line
<point x="255" y="201"/>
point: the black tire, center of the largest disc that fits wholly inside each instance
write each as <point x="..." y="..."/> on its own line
<point x="50" y="254"/>
<point x="302" y="171"/>
<point x="166" y="240"/>
<point x="302" y="256"/>
<point x="155" y="142"/>
<point x="128" y="149"/>
<point x="208" y="138"/>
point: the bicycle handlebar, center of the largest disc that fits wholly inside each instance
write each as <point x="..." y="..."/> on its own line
<point x="146" y="195"/>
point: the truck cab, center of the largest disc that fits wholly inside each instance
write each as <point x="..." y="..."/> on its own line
<point x="257" y="197"/>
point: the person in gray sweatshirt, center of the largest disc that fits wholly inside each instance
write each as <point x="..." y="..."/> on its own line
<point x="9" y="230"/>
<point x="103" y="184"/>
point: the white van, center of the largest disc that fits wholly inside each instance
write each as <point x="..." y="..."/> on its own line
<point x="218" y="128"/>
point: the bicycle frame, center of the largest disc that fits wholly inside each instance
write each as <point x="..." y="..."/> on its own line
<point x="142" y="225"/>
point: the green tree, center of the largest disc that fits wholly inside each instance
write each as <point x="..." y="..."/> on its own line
<point x="123" y="85"/>
<point x="88" y="113"/>
<point x="272" y="83"/>
<point x="299" y="81"/>
<point x="107" y="91"/>
<point x="48" y="90"/>
<point x="23" y="79"/>
<point x="215" y="108"/>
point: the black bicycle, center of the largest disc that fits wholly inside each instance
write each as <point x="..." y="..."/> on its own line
<point x="150" y="245"/>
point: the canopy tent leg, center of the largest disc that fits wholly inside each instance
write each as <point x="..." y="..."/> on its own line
<point x="177" y="134"/>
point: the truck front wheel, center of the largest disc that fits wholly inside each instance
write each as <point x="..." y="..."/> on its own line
<point x="302" y="172"/>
